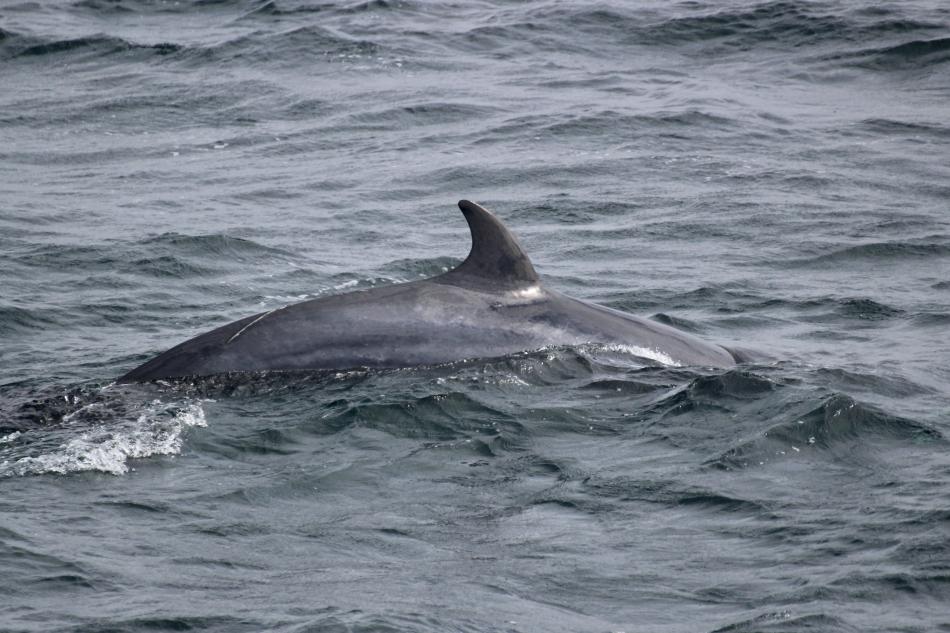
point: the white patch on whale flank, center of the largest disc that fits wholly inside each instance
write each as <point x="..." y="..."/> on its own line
<point x="531" y="292"/>
<point x="243" y="329"/>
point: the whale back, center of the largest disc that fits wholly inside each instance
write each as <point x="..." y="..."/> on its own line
<point x="490" y="305"/>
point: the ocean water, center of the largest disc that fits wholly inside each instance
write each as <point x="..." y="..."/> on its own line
<point x="772" y="176"/>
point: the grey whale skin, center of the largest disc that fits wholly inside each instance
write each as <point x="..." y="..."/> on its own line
<point x="491" y="305"/>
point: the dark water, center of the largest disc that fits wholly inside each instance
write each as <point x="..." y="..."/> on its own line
<point x="773" y="176"/>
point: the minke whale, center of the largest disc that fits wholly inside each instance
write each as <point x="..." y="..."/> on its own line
<point x="493" y="304"/>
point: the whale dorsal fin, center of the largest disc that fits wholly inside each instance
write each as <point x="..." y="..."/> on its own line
<point x="496" y="260"/>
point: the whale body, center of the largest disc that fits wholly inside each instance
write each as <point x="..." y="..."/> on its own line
<point x="493" y="304"/>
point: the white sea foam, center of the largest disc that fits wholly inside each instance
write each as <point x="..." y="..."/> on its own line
<point x="644" y="352"/>
<point x="352" y="283"/>
<point x="158" y="430"/>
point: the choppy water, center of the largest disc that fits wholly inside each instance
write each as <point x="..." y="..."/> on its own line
<point x="773" y="176"/>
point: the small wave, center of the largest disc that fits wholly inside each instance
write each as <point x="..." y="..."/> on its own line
<point x="41" y="570"/>
<point x="933" y="584"/>
<point x="433" y="417"/>
<point x="878" y="127"/>
<point x="118" y="104"/>
<point x="106" y="447"/>
<point x="16" y="46"/>
<point x="623" y="388"/>
<point x="669" y="493"/>
<point x="624" y="124"/>
<point x="294" y="46"/>
<point x="837" y="428"/>
<point x="731" y="390"/>
<point x="893" y="386"/>
<point x="271" y="8"/>
<point x="259" y="47"/>
<point x="103" y="6"/>
<point x="867" y="310"/>
<point x="790" y="23"/>
<point x="108" y="259"/>
<point x="913" y="55"/>
<point x="883" y="251"/>
<point x="172" y="621"/>
<point x="168" y="255"/>
<point x="15" y="320"/>
<point x="168" y="266"/>
<point x="377" y="5"/>
<point x="932" y="319"/>
<point x="731" y="300"/>
<point x="785" y="622"/>
<point x="420" y="114"/>
<point x="735" y="384"/>
<point x="813" y="310"/>
<point x="706" y="27"/>
<point x="233" y="248"/>
<point x="677" y="322"/>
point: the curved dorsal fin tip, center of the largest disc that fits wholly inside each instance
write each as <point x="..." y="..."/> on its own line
<point x="496" y="260"/>
<point x="468" y="205"/>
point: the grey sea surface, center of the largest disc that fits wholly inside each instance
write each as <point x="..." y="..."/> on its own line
<point x="772" y="176"/>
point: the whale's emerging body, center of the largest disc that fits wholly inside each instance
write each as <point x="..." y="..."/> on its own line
<point x="491" y="305"/>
